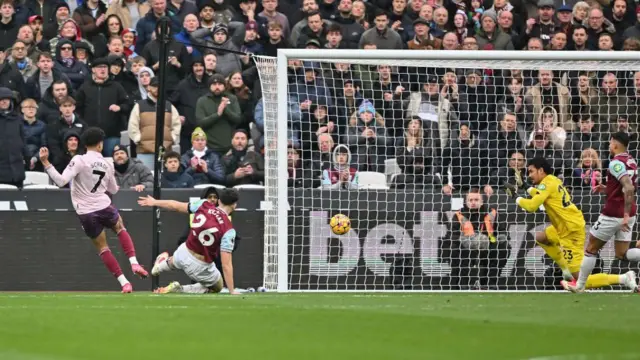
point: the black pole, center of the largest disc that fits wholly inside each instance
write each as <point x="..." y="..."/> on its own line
<point x="163" y="35"/>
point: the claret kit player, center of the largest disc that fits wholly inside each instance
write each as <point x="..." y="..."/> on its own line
<point x="92" y="180"/>
<point x="211" y="235"/>
<point x="564" y="240"/>
<point x="618" y="215"/>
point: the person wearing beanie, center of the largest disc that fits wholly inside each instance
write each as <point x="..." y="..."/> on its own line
<point x="13" y="152"/>
<point x="218" y="114"/>
<point x="62" y="13"/>
<point x="130" y="173"/>
<point x="219" y="37"/>
<point x="142" y="125"/>
<point x="189" y="90"/>
<point x="366" y="131"/>
<point x="489" y="36"/>
<point x="202" y="164"/>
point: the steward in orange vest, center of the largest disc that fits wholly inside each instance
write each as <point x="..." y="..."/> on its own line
<point x="479" y="245"/>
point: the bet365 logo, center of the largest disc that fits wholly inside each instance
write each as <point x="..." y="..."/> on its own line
<point x="13" y="206"/>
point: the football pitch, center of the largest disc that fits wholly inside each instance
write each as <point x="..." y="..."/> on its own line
<point x="79" y="326"/>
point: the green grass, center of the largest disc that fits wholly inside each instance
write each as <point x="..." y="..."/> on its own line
<point x="69" y="326"/>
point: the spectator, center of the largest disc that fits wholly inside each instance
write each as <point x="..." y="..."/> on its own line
<point x="173" y="177"/>
<point x="548" y="122"/>
<point x="597" y="24"/>
<point x="129" y="11"/>
<point x="558" y="41"/>
<point x="506" y="137"/>
<point x="588" y="171"/>
<point x="586" y="138"/>
<point x="218" y="113"/>
<point x="580" y="39"/>
<point x="381" y="35"/>
<point x="490" y="37"/>
<point x="67" y="122"/>
<point x="207" y="13"/>
<point x="103" y="103"/>
<point x="70" y="147"/>
<point x="367" y="136"/>
<point x="25" y="34"/>
<point x="185" y="98"/>
<point x="129" y="41"/>
<point x="50" y="30"/>
<point x="91" y="17"/>
<point x="243" y="165"/>
<point x="424" y="38"/>
<point x="130" y="172"/>
<point x="351" y="30"/>
<point x="181" y="8"/>
<point x="144" y="78"/>
<point x="142" y="125"/>
<point x="119" y="73"/>
<point x="515" y="173"/>
<point x="610" y="103"/>
<point x="8" y="25"/>
<point x="582" y="95"/>
<point x="35" y="132"/>
<point x="252" y="43"/>
<point x="147" y="24"/>
<point x="434" y="110"/>
<point x="550" y="93"/>
<point x="477" y="243"/>
<point x="10" y="75"/>
<point x="13" y="152"/>
<point x="71" y="31"/>
<point x="622" y="124"/>
<point x="544" y="26"/>
<point x="115" y="46"/>
<point x="460" y="167"/>
<point x="316" y="121"/>
<point x="276" y="40"/>
<point x="476" y="102"/>
<point x="189" y="25"/>
<point x="314" y="30"/>
<point x="41" y="80"/>
<point x="270" y="14"/>
<point x="45" y="9"/>
<point x="299" y="174"/>
<point x="341" y="175"/>
<point x="201" y="163"/>
<point x="178" y="60"/>
<point x="49" y="107"/>
<point x="227" y="62"/>
<point x="414" y="157"/>
<point x="67" y="64"/>
<point x="542" y="147"/>
<point x="237" y="87"/>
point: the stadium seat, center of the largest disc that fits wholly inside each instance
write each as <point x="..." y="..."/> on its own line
<point x="204" y="186"/>
<point x="41" y="186"/>
<point x="36" y="178"/>
<point x="249" y="186"/>
<point x="391" y="168"/>
<point x="8" y="187"/>
<point x="369" y="178"/>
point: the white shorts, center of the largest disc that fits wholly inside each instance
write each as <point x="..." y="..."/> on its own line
<point x="206" y="274"/>
<point x="608" y="228"/>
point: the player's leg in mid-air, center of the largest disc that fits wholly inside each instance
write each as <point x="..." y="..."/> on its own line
<point x="207" y="277"/>
<point x="573" y="249"/>
<point x="605" y="229"/>
<point x="92" y="224"/>
<point x="127" y="246"/>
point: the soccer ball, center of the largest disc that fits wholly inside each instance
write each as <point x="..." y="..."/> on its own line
<point x="340" y="224"/>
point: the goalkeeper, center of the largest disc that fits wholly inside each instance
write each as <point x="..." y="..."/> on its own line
<point x="479" y="244"/>
<point x="564" y="239"/>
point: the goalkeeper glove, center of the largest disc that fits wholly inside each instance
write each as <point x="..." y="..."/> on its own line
<point x="511" y="190"/>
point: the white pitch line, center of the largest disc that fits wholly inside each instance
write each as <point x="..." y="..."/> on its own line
<point x="627" y="356"/>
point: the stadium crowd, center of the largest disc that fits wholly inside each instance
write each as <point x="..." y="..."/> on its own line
<point x="68" y="65"/>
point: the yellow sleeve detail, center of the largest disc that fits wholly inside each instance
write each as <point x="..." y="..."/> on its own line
<point x="534" y="203"/>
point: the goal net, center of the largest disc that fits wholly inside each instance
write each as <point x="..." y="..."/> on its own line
<point x="408" y="145"/>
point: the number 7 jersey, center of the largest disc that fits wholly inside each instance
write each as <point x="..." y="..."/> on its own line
<point x="563" y="213"/>
<point x="211" y="232"/>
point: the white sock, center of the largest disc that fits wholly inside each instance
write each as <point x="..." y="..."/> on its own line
<point x="588" y="263"/>
<point x="194" y="289"/>
<point x="133" y="260"/>
<point x="122" y="280"/>
<point x="633" y="254"/>
<point x="164" y="266"/>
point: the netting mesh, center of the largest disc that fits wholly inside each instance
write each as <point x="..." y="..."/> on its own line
<point x="398" y="145"/>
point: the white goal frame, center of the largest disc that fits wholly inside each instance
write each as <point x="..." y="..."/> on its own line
<point x="277" y="207"/>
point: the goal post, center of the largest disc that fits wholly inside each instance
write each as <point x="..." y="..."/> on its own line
<point x="401" y="227"/>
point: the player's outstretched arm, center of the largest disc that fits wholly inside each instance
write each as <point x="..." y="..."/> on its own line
<point x="69" y="172"/>
<point x="533" y="204"/>
<point x="149" y="201"/>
